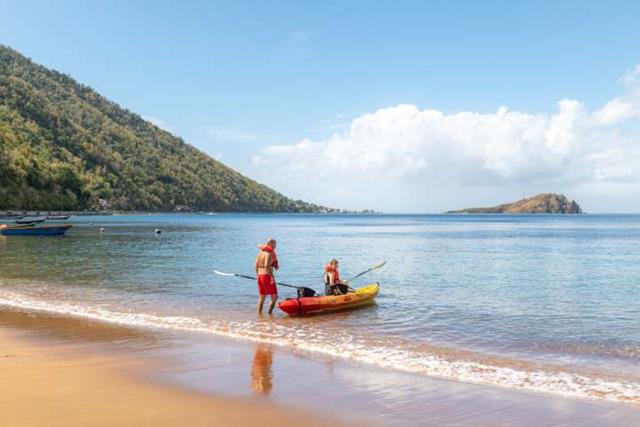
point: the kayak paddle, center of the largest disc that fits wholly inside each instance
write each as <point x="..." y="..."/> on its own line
<point x="244" y="276"/>
<point x="375" y="267"/>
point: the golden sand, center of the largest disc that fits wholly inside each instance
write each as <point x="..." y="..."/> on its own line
<point x="46" y="385"/>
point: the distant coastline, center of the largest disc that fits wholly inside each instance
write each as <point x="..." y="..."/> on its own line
<point x="544" y="203"/>
<point x="7" y="213"/>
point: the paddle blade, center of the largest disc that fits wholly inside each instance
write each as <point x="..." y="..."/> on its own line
<point x="244" y="276"/>
<point x="223" y="273"/>
<point x="382" y="264"/>
<point x="375" y="267"/>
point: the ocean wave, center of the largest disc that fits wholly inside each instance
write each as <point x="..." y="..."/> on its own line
<point x="439" y="364"/>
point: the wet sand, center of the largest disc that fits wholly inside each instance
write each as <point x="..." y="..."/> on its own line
<point x="45" y="382"/>
<point x="71" y="371"/>
<point x="381" y="397"/>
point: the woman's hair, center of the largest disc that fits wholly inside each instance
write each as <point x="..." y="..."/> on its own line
<point x="333" y="262"/>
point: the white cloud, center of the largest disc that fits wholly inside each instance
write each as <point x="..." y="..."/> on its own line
<point x="405" y="158"/>
<point x="632" y="77"/>
<point x="615" y="111"/>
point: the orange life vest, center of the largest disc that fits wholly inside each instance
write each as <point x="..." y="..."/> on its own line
<point x="336" y="274"/>
<point x="274" y="257"/>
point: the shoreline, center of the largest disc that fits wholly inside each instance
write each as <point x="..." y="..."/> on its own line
<point x="79" y="383"/>
<point x="9" y="214"/>
<point x="205" y="373"/>
<point x="430" y="363"/>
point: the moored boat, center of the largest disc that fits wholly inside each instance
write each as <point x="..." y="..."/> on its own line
<point x="24" y="225"/>
<point x="29" y="230"/>
<point x="57" y="217"/>
<point x="30" y="220"/>
<point x="328" y="303"/>
<point x="11" y="216"/>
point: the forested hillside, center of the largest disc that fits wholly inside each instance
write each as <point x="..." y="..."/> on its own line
<point x="64" y="147"/>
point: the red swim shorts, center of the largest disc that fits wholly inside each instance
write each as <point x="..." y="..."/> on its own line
<point x="266" y="285"/>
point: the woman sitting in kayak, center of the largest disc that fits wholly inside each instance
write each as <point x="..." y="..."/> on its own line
<point x="332" y="283"/>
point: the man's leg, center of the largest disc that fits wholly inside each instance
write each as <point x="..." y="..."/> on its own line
<point x="274" y="298"/>
<point x="260" y="303"/>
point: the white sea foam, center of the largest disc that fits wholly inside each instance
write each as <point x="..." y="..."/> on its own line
<point x="344" y="346"/>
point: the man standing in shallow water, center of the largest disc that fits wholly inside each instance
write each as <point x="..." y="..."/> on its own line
<point x="266" y="263"/>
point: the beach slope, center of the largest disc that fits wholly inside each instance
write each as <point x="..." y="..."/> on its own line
<point x="45" y="385"/>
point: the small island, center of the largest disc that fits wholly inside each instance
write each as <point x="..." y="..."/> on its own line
<point x="544" y="203"/>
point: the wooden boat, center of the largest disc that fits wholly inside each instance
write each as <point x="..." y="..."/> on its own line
<point x="30" y="230"/>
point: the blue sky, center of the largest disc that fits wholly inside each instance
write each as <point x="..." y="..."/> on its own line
<point x="237" y="78"/>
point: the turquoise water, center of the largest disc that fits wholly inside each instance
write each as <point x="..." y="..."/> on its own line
<point x="540" y="303"/>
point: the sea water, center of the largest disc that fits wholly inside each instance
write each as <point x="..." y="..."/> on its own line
<point x="544" y="303"/>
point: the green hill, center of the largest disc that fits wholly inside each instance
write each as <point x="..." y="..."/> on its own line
<point x="64" y="147"/>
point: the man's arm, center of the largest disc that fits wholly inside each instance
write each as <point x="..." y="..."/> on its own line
<point x="268" y="260"/>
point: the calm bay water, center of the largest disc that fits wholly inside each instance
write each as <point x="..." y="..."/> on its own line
<point x="541" y="303"/>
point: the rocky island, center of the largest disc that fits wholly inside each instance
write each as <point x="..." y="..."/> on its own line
<point x="548" y="203"/>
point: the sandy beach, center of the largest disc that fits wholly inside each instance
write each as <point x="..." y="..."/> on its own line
<point x="68" y="371"/>
<point x="44" y="384"/>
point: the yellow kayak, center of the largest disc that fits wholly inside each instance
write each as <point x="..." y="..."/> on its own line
<point x="328" y="303"/>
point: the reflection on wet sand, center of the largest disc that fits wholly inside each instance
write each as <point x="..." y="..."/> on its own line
<point x="261" y="372"/>
<point x="76" y="330"/>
